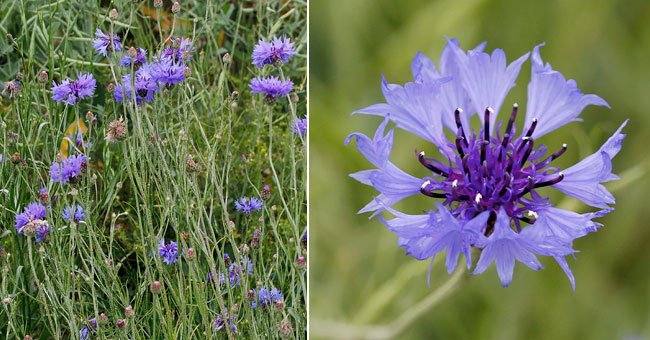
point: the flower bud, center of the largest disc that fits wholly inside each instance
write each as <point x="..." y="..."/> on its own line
<point x="176" y="43"/>
<point x="285" y="330"/>
<point x="266" y="192"/>
<point x="103" y="319"/>
<point x="110" y="88"/>
<point x="303" y="241"/>
<point x="191" y="254"/>
<point x="6" y="301"/>
<point x="27" y="337"/>
<point x="294" y="97"/>
<point x="132" y="52"/>
<point x="301" y="263"/>
<point x="251" y="294"/>
<point x="112" y="14"/>
<point x="279" y="305"/>
<point x="255" y="242"/>
<point x="176" y="7"/>
<point x="128" y="311"/>
<point x="9" y="37"/>
<point x="155" y="288"/>
<point x="226" y="259"/>
<point x="157" y="3"/>
<point x="120" y="323"/>
<point x="19" y="76"/>
<point x="43" y="77"/>
<point x="235" y="95"/>
<point x="226" y="58"/>
<point x="15" y="158"/>
<point x="187" y="72"/>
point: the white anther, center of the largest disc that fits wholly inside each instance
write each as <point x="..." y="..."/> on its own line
<point x="490" y="110"/>
<point x="459" y="109"/>
<point x="532" y="214"/>
<point x="422" y="153"/>
<point x="478" y="198"/>
<point x="425" y="184"/>
<point x="515" y="105"/>
<point x="564" y="146"/>
<point x="454" y="184"/>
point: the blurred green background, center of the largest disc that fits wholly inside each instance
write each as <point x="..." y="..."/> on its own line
<point x="359" y="276"/>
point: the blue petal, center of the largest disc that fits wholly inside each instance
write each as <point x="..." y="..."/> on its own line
<point x="414" y="108"/>
<point x="552" y="99"/>
<point x="486" y="78"/>
<point x="582" y="180"/>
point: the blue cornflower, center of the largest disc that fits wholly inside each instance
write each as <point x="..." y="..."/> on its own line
<point x="267" y="53"/>
<point x="168" y="252"/>
<point x="299" y="126"/>
<point x="139" y="59"/>
<point x="271" y="86"/>
<point x="73" y="213"/>
<point x="489" y="180"/>
<point x="167" y="71"/>
<point x="266" y="297"/>
<point x="102" y="43"/>
<point x="68" y="169"/>
<point x="33" y="218"/>
<point x="182" y="53"/>
<point x="220" y="322"/>
<point x="79" y="142"/>
<point x="69" y="92"/>
<point x="247" y="205"/>
<point x="145" y="86"/>
<point x="85" y="331"/>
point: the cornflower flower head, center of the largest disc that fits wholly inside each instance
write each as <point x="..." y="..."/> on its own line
<point x="487" y="186"/>
<point x="79" y="142"/>
<point x="69" y="168"/>
<point x="168" y="252"/>
<point x="85" y="331"/>
<point x="71" y="91"/>
<point x="266" y="297"/>
<point x="139" y="59"/>
<point x="299" y="126"/>
<point x="247" y="205"/>
<point x="73" y="213"/>
<point x="167" y="71"/>
<point x="271" y="86"/>
<point x="180" y="54"/>
<point x="106" y="42"/>
<point x="221" y="321"/>
<point x="32" y="221"/>
<point x="145" y="86"/>
<point x="278" y="50"/>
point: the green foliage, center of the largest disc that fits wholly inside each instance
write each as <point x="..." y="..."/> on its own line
<point x="147" y="187"/>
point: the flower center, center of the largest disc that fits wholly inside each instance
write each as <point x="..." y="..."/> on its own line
<point x="490" y="172"/>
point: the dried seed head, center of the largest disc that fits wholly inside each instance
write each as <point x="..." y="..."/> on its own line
<point x="192" y="166"/>
<point x="116" y="131"/>
<point x="285" y="330"/>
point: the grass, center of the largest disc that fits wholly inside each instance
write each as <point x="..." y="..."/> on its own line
<point x="143" y="189"/>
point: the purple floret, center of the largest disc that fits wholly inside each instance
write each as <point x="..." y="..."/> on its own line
<point x="271" y="86"/>
<point x="69" y="92"/>
<point x="102" y="43"/>
<point x="145" y="86"/>
<point x="299" y="126"/>
<point x="139" y="59"/>
<point x="176" y="54"/>
<point x="74" y="213"/>
<point x="167" y="71"/>
<point x="266" y="297"/>
<point x="267" y="53"/>
<point x="68" y="169"/>
<point x="168" y="252"/>
<point x="246" y="205"/>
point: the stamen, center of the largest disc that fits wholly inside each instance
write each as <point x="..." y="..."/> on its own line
<point x="486" y="124"/>
<point x="427" y="192"/>
<point x="506" y="183"/>
<point x="529" y="187"/>
<point x="513" y="116"/>
<point x="552" y="157"/>
<point x="527" y="220"/>
<point x="459" y="147"/>
<point x="430" y="166"/>
<point x="532" y="214"/>
<point x="532" y="128"/>
<point x="555" y="180"/>
<point x="531" y="145"/>
<point x="478" y="197"/>
<point x="459" y="124"/>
